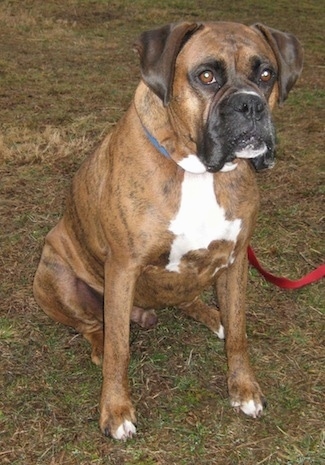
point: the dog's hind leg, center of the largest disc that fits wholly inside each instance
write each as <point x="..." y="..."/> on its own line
<point x="205" y="314"/>
<point x="69" y="300"/>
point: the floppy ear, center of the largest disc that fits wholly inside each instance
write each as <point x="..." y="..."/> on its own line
<point x="289" y="54"/>
<point x="158" y="50"/>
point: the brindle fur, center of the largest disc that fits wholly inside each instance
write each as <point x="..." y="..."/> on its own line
<point x="104" y="262"/>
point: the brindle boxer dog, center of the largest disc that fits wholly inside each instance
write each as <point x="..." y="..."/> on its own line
<point x="166" y="207"/>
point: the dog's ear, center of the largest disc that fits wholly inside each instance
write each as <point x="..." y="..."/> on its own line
<point x="158" y="50"/>
<point x="289" y="54"/>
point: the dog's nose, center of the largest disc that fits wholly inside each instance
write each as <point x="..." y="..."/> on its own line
<point x="251" y="106"/>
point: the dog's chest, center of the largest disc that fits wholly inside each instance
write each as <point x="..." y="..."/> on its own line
<point x="200" y="220"/>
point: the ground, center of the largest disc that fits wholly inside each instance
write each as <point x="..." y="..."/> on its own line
<point x="67" y="74"/>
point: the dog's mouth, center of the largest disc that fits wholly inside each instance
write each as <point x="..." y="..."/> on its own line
<point x="256" y="151"/>
<point x="251" y="148"/>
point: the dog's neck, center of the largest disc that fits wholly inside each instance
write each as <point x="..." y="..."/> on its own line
<point x="173" y="148"/>
<point x="155" y="142"/>
<point x="190" y="163"/>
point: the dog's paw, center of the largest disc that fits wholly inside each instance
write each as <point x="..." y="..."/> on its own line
<point x="251" y="408"/>
<point x="220" y="332"/>
<point x="125" y="431"/>
<point x="245" y="394"/>
<point x="118" y="422"/>
<point x="147" y="319"/>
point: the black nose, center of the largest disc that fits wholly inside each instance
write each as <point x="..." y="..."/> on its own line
<point x="251" y="106"/>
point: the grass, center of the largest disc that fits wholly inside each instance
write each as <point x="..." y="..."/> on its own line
<point x="67" y="74"/>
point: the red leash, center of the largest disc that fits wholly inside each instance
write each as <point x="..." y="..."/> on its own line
<point x="286" y="283"/>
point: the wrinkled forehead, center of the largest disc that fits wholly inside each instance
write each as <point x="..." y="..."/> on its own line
<point x="235" y="44"/>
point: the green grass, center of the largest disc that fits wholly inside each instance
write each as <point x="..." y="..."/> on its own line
<point x="67" y="74"/>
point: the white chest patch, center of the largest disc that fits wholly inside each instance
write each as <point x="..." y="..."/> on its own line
<point x="199" y="220"/>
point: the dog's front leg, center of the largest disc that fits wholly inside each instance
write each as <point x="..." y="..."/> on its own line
<point x="244" y="391"/>
<point x="117" y="416"/>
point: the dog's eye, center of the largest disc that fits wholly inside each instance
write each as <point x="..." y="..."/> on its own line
<point x="207" y="77"/>
<point x="266" y="75"/>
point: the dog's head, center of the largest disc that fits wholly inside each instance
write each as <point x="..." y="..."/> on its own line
<point x="218" y="83"/>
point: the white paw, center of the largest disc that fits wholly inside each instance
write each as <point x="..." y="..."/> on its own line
<point x="250" y="408"/>
<point x="125" y="430"/>
<point x="221" y="332"/>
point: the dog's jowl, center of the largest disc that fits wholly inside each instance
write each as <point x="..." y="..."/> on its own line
<point x="166" y="207"/>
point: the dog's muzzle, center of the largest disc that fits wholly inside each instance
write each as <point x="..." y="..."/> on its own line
<point x="239" y="126"/>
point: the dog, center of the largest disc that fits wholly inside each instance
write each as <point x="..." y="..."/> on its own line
<point x="167" y="205"/>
